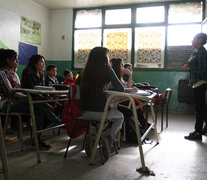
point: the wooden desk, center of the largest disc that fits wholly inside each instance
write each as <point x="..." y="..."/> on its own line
<point x="128" y="96"/>
<point x="44" y="96"/>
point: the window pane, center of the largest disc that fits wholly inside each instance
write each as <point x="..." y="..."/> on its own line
<point x="85" y="40"/>
<point x="185" y="12"/>
<point x="182" y="34"/>
<point x="149" y="47"/>
<point x="118" y="41"/>
<point x="86" y="18"/>
<point x="178" y="55"/>
<point x="118" y="16"/>
<point x="150" y="14"/>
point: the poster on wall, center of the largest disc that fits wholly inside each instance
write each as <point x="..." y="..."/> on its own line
<point x="30" y="31"/>
<point x="25" y="52"/>
<point x="2" y="45"/>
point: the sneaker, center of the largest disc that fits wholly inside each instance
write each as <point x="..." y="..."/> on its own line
<point x="43" y="146"/>
<point x="194" y="136"/>
<point x="105" y="149"/>
<point x="90" y="141"/>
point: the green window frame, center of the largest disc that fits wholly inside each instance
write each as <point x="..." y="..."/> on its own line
<point x="132" y="27"/>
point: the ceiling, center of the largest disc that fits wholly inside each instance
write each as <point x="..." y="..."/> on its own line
<point x="67" y="4"/>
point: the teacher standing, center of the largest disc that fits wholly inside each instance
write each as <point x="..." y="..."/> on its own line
<point x="197" y="65"/>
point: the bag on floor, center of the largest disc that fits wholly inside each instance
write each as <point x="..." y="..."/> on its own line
<point x="71" y="111"/>
<point x="131" y="135"/>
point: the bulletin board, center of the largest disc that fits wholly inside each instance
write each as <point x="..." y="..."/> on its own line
<point x="30" y="31"/>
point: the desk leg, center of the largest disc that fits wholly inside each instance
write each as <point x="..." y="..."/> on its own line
<point x="154" y="121"/>
<point x="3" y="155"/>
<point x="7" y="116"/>
<point x="138" y="135"/>
<point x="143" y="169"/>
<point x="34" y="129"/>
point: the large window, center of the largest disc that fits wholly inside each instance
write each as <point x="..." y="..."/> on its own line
<point x="119" y="43"/>
<point x="149" y="47"/>
<point x="146" y="36"/>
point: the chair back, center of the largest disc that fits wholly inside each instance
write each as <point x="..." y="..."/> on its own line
<point x="168" y="93"/>
<point x="71" y="112"/>
<point x="74" y="92"/>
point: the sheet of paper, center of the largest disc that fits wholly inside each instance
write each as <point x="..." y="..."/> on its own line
<point x="141" y="93"/>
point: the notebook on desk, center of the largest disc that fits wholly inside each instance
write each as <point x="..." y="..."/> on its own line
<point x="47" y="88"/>
<point x="142" y="93"/>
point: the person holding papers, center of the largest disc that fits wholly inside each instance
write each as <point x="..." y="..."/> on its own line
<point x="197" y="65"/>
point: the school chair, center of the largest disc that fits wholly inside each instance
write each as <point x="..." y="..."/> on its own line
<point x="76" y="125"/>
<point x="20" y="124"/>
<point x="161" y="102"/>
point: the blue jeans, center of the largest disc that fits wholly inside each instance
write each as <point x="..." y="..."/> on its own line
<point x="43" y="114"/>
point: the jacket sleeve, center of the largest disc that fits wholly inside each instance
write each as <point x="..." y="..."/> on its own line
<point x="5" y="81"/>
<point x="116" y="83"/>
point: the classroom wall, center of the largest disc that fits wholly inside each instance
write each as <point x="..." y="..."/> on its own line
<point x="11" y="12"/>
<point x="166" y="79"/>
<point x="60" y="35"/>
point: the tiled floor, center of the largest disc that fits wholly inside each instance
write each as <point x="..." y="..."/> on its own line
<point x="174" y="158"/>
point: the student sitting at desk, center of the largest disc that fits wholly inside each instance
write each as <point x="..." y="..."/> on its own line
<point x="118" y="66"/>
<point x="94" y="80"/>
<point x="128" y="66"/>
<point x="32" y="76"/>
<point x="9" y="79"/>
<point x="69" y="79"/>
<point x="51" y="78"/>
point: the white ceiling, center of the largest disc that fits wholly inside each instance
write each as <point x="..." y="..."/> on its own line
<point x="67" y="4"/>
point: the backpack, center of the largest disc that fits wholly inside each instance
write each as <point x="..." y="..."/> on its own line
<point x="71" y="111"/>
<point x="131" y="135"/>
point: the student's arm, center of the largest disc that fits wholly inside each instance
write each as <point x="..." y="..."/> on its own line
<point x="5" y="81"/>
<point x="29" y="81"/>
<point x="9" y="81"/>
<point x="128" y="90"/>
<point x="116" y="83"/>
<point x="129" y="74"/>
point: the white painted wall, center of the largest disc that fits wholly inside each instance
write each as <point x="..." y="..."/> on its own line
<point x="10" y="16"/>
<point x="61" y="25"/>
